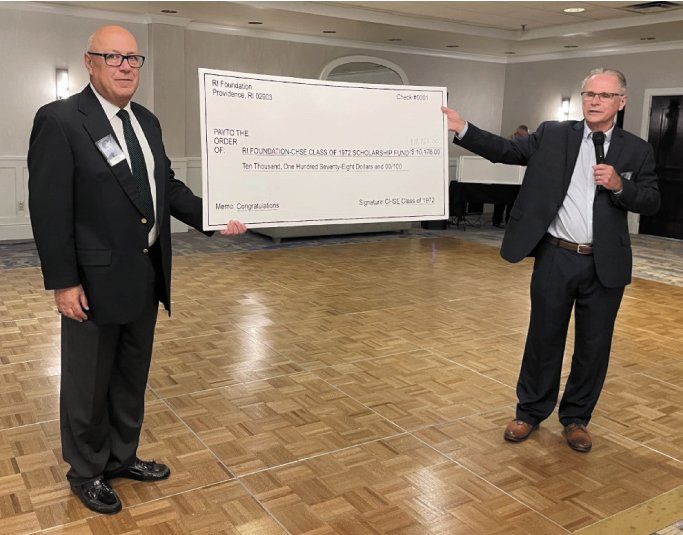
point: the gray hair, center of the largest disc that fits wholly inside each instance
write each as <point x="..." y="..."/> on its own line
<point x="601" y="70"/>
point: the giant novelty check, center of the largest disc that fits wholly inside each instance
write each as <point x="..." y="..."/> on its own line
<point x="282" y="151"/>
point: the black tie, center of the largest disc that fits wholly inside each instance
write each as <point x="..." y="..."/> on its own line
<point x="137" y="164"/>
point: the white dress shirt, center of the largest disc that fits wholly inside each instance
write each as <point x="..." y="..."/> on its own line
<point x="574" y="220"/>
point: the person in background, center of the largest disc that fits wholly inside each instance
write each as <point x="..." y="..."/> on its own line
<point x="101" y="195"/>
<point x="501" y="208"/>
<point x="571" y="215"/>
<point x="521" y="131"/>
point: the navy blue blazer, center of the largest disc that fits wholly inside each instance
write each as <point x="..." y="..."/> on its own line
<point x="87" y="216"/>
<point x="550" y="155"/>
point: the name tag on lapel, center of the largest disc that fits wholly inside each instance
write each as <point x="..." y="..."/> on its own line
<point x="110" y="150"/>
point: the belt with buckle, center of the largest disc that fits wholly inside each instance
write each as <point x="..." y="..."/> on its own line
<point x="580" y="248"/>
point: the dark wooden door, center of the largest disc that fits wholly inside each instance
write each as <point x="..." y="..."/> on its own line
<point x="666" y="137"/>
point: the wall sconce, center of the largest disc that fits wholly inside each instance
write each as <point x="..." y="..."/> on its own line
<point x="62" y="83"/>
<point x="563" y="113"/>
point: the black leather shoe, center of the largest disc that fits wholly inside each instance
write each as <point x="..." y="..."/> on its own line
<point x="98" y="496"/>
<point x="142" y="471"/>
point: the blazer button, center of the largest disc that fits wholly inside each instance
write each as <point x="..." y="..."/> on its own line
<point x="143" y="221"/>
<point x="145" y="251"/>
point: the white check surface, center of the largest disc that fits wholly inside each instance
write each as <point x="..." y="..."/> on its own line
<point x="280" y="151"/>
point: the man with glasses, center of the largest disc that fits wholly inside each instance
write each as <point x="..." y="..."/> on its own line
<point x="101" y="195"/>
<point x="571" y="215"/>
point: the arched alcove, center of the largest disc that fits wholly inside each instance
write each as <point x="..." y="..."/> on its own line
<point x="364" y="69"/>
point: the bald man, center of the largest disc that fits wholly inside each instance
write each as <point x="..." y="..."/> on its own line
<point x="101" y="195"/>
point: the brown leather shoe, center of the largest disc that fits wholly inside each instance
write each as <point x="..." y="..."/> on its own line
<point x="518" y="430"/>
<point x="578" y="437"/>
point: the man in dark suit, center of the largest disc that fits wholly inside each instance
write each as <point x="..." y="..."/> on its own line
<point x="101" y="195"/>
<point x="571" y="215"/>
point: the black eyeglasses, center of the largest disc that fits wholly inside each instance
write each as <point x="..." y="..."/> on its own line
<point x="602" y="97"/>
<point x="116" y="60"/>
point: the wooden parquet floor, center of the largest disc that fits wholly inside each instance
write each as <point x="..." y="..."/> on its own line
<point x="349" y="389"/>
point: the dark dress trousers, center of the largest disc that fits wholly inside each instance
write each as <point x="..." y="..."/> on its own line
<point x="90" y="229"/>
<point x="591" y="285"/>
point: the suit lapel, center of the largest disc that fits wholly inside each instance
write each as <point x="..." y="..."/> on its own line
<point x="153" y="135"/>
<point x="98" y="126"/>
<point x="615" y="146"/>
<point x="574" y="138"/>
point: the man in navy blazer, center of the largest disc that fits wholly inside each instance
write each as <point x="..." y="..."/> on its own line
<point x="101" y="195"/>
<point x="571" y="215"/>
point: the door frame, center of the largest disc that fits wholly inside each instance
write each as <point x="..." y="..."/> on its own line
<point x="634" y="219"/>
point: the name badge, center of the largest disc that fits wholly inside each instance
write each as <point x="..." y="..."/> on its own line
<point x="110" y="150"/>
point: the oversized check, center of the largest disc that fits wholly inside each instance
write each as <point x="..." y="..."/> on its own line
<point x="280" y="151"/>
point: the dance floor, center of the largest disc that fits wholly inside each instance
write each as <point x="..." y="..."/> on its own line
<point x="354" y="385"/>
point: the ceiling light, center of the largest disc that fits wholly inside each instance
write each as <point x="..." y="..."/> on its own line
<point x="510" y="53"/>
<point x="329" y="31"/>
<point x="452" y="46"/>
<point x="574" y="10"/>
<point x="571" y="46"/>
<point x="647" y="38"/>
<point x="394" y="39"/>
<point x="254" y="22"/>
<point x="170" y="11"/>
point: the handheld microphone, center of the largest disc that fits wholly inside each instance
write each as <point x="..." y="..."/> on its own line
<point x="599" y="142"/>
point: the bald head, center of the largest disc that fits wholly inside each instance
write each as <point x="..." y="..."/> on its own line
<point x="105" y="34"/>
<point x="117" y="84"/>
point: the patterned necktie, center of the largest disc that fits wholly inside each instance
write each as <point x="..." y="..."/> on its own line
<point x="137" y="164"/>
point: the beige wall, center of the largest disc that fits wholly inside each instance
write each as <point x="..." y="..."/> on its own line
<point x="533" y="90"/>
<point x="37" y="39"/>
<point x="495" y="96"/>
<point x="41" y="42"/>
<point x="33" y="45"/>
<point x="167" y="73"/>
<point x="476" y="85"/>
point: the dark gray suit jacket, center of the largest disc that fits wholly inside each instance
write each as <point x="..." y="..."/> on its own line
<point x="550" y="154"/>
<point x="87" y="216"/>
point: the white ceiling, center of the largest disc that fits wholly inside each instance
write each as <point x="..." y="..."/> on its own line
<point x="508" y="31"/>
